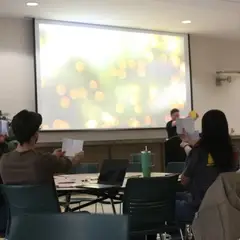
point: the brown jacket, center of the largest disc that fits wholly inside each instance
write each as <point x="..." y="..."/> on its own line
<point x="31" y="167"/>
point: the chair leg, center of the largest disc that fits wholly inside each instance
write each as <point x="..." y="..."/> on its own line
<point x="96" y="207"/>
<point x="181" y="234"/>
<point x="102" y="208"/>
<point x="188" y="232"/>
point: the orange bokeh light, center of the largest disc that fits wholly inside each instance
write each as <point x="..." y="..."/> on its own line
<point x="93" y="84"/>
<point x="60" y="124"/>
<point x="99" y="96"/>
<point x="65" y="102"/>
<point x="148" y="120"/>
<point x="74" y="93"/>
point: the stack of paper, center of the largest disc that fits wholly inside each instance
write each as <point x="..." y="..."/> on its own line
<point x="72" y="146"/>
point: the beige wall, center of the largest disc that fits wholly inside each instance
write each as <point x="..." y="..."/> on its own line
<point x="208" y="55"/>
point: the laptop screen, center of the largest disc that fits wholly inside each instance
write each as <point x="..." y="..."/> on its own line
<point x="113" y="171"/>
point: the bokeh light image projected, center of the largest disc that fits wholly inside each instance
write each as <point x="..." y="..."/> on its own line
<point x="109" y="78"/>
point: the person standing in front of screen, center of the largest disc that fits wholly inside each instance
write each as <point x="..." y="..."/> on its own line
<point x="171" y="125"/>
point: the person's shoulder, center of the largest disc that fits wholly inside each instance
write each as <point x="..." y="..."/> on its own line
<point x="169" y="123"/>
<point x="43" y="156"/>
<point x="6" y="157"/>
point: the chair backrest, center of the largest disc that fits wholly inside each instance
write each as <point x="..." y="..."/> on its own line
<point x="150" y="202"/>
<point x="134" y="167"/>
<point x="31" y="199"/>
<point x="74" y="226"/>
<point x="87" y="168"/>
<point x="173" y="151"/>
<point x="175" y="167"/>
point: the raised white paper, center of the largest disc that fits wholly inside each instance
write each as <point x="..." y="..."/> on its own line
<point x="3" y="127"/>
<point x="72" y="146"/>
<point x="185" y="123"/>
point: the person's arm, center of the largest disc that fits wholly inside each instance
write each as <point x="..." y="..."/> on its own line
<point x="173" y="123"/>
<point x="189" y="171"/>
<point x="187" y="148"/>
<point x="58" y="163"/>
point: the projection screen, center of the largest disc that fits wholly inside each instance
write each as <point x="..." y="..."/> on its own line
<point x="95" y="77"/>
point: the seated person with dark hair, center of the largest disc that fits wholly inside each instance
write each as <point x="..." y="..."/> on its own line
<point x="27" y="166"/>
<point x="171" y="125"/>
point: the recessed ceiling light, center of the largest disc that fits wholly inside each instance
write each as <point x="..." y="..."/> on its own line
<point x="186" y="21"/>
<point x="32" y="4"/>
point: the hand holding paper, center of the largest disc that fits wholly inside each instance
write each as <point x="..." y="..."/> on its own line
<point x="72" y="147"/>
<point x="185" y="124"/>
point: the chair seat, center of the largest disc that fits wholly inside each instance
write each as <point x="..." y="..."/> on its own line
<point x="79" y="200"/>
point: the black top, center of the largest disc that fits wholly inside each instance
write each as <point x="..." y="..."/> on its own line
<point x="202" y="172"/>
<point x="171" y="131"/>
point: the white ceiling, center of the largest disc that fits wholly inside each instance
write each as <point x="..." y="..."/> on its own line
<point x="212" y="17"/>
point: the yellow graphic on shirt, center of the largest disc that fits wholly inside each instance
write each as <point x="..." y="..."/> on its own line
<point x="210" y="161"/>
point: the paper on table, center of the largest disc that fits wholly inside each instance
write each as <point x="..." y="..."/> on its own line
<point x="72" y="146"/>
<point x="185" y="123"/>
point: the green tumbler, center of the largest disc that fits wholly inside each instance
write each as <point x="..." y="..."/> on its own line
<point x="146" y="163"/>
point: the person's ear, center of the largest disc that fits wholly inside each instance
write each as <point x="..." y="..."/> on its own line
<point x="35" y="137"/>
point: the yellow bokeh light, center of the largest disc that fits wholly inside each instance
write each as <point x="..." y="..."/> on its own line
<point x="99" y="96"/>
<point x="93" y="84"/>
<point x="82" y="93"/>
<point x="183" y="67"/>
<point x="177" y="105"/>
<point x="134" y="100"/>
<point x="119" y="108"/>
<point x="173" y="44"/>
<point x="175" y="60"/>
<point x="114" y="72"/>
<point x="122" y="64"/>
<point x="91" y="124"/>
<point x="60" y="124"/>
<point x="154" y="42"/>
<point x="80" y="67"/>
<point x="138" y="109"/>
<point x="133" y="123"/>
<point x="132" y="63"/>
<point x="108" y="119"/>
<point x="61" y="89"/>
<point x="65" y="102"/>
<point x="45" y="127"/>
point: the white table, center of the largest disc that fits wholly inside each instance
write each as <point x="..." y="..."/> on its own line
<point x="81" y="183"/>
<point x="73" y="182"/>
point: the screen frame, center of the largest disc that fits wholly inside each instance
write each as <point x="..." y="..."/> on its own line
<point x="36" y="44"/>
